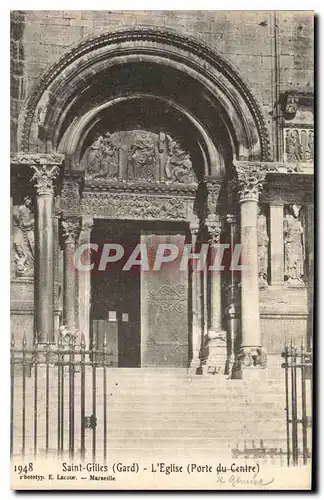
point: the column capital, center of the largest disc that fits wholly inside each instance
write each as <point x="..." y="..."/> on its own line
<point x="214" y="227"/>
<point x="43" y="178"/>
<point x="86" y="223"/>
<point x="70" y="230"/>
<point x="194" y="226"/>
<point x="250" y="179"/>
<point x="232" y="218"/>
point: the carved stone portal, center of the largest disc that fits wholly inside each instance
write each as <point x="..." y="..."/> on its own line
<point x="138" y="155"/>
<point x="24" y="238"/>
<point x="294" y="247"/>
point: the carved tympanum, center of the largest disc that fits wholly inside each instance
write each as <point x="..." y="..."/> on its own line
<point x="263" y="243"/>
<point x="294" y="247"/>
<point x="24" y="238"/>
<point x="138" y="155"/>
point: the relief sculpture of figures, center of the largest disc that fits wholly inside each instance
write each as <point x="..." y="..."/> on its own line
<point x="263" y="242"/>
<point x="299" y="145"/>
<point x="103" y="158"/>
<point x="294" y="247"/>
<point x="23" y="238"/>
<point x="178" y="166"/>
<point x="293" y="146"/>
<point x="142" y="158"/>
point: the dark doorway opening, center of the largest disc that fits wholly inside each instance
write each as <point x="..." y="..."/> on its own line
<point x="115" y="296"/>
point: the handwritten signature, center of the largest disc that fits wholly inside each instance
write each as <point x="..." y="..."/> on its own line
<point x="237" y="481"/>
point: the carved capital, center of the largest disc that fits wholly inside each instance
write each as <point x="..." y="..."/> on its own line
<point x="87" y="223"/>
<point x="231" y="219"/>
<point x="250" y="179"/>
<point x="70" y="230"/>
<point x="194" y="226"/>
<point x="213" y="189"/>
<point x="70" y="197"/>
<point x="214" y="227"/>
<point x="43" y="177"/>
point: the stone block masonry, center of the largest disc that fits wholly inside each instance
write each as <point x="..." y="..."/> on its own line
<point x="39" y="38"/>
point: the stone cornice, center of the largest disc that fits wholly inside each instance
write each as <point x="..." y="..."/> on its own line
<point x="275" y="167"/>
<point x="30" y="159"/>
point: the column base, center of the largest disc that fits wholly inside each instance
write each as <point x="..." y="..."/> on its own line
<point x="215" y="362"/>
<point x="195" y="367"/>
<point x="249" y="359"/>
<point x="46" y="354"/>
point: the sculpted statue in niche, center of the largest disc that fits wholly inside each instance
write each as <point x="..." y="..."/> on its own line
<point x="294" y="246"/>
<point x="263" y="244"/>
<point x="142" y="158"/>
<point x="103" y="157"/>
<point x="23" y="238"/>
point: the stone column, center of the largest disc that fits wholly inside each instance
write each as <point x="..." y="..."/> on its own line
<point x="232" y="312"/>
<point x="216" y="335"/>
<point x="250" y="180"/>
<point x="84" y="282"/>
<point x="196" y="305"/>
<point x="43" y="177"/>
<point x="276" y="244"/>
<point x="70" y="232"/>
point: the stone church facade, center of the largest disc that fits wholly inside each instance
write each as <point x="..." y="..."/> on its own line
<point x="174" y="127"/>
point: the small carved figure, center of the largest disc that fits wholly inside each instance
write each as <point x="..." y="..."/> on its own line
<point x="293" y="146"/>
<point x="103" y="158"/>
<point x="23" y="238"/>
<point x="178" y="166"/>
<point x="294" y="247"/>
<point x="263" y="242"/>
<point x="141" y="162"/>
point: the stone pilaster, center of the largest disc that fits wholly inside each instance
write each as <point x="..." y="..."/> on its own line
<point x="84" y="281"/>
<point x="250" y="183"/>
<point x="70" y="231"/>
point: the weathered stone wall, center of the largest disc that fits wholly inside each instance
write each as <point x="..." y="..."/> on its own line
<point x="247" y="39"/>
